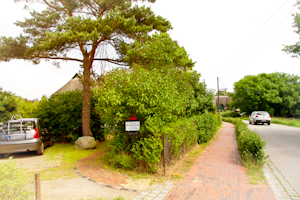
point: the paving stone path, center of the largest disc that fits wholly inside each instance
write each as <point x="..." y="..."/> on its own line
<point x="29" y="160"/>
<point x="219" y="174"/>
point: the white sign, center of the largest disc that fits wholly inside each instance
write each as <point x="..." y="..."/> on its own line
<point x="132" y="126"/>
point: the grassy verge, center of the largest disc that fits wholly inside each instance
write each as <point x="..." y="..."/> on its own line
<point x="255" y="171"/>
<point x="286" y="121"/>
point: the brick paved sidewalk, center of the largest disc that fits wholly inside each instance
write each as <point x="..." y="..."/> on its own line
<point x="219" y="174"/>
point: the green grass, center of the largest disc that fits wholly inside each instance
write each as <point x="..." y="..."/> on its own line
<point x="69" y="155"/>
<point x="14" y="182"/>
<point x="255" y="171"/>
<point x="286" y="121"/>
<point x="18" y="183"/>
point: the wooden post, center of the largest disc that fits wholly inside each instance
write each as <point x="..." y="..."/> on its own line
<point x="164" y="145"/>
<point x="38" y="187"/>
<point x="218" y="102"/>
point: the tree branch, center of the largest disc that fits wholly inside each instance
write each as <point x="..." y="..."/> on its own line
<point x="117" y="62"/>
<point x="57" y="58"/>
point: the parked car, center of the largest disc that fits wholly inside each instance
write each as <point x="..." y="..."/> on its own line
<point x="24" y="134"/>
<point x="260" y="117"/>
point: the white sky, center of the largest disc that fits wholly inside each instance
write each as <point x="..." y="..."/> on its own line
<point x="228" y="39"/>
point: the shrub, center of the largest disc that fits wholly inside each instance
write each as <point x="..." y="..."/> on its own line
<point x="12" y="182"/>
<point x="148" y="149"/>
<point x="207" y="125"/>
<point x="251" y="145"/>
<point x="162" y="99"/>
<point x="230" y="114"/>
<point x="183" y="131"/>
<point x="62" y="114"/>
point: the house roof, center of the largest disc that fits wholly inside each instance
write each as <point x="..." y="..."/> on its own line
<point x="223" y="100"/>
<point x="73" y="84"/>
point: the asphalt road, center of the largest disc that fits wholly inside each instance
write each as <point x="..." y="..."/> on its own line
<point x="283" y="147"/>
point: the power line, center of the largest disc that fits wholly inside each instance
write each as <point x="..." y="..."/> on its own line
<point x="277" y="24"/>
<point x="259" y="50"/>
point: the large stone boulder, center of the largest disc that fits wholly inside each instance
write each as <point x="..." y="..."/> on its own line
<point x="86" y="142"/>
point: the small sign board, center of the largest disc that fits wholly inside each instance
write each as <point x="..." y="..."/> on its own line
<point x="132" y="126"/>
<point x="135" y="133"/>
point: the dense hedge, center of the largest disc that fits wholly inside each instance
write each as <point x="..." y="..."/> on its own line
<point x="62" y="114"/>
<point x="251" y="145"/>
<point x="147" y="152"/>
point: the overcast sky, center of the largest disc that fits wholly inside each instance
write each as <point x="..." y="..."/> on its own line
<point x="228" y="39"/>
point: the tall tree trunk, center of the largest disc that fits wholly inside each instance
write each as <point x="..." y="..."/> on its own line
<point x="86" y="99"/>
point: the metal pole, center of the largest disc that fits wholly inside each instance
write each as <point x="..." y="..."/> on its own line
<point x="218" y="100"/>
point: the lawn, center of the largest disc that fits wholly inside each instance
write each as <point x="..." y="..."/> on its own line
<point x="286" y="121"/>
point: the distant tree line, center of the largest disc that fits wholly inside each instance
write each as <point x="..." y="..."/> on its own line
<point x="11" y="104"/>
<point x="277" y="93"/>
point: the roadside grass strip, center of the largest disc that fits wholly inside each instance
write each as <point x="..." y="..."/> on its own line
<point x="286" y="121"/>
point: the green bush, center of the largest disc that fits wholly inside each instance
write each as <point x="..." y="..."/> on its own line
<point x="62" y="114"/>
<point x="230" y="114"/>
<point x="162" y="99"/>
<point x="251" y="145"/>
<point x="12" y="182"/>
<point x="207" y="125"/>
<point x="148" y="149"/>
<point x="183" y="131"/>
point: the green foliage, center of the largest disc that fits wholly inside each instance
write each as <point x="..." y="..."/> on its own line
<point x="251" y="145"/>
<point x="62" y="115"/>
<point x="149" y="150"/>
<point x="277" y="93"/>
<point x="158" y="50"/>
<point x="187" y="131"/>
<point x="8" y="105"/>
<point x="155" y="97"/>
<point x="294" y="50"/>
<point x="62" y="27"/>
<point x="230" y="114"/>
<point x="159" y="89"/>
<point x="207" y="124"/>
<point x="182" y="132"/>
<point x="26" y="108"/>
<point x="12" y="182"/>
<point x="84" y="26"/>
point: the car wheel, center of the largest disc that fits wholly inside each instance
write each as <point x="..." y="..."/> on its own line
<point x="249" y="122"/>
<point x="269" y="123"/>
<point x="41" y="149"/>
<point x="255" y="123"/>
<point x="51" y="142"/>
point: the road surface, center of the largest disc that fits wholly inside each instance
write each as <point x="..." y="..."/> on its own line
<point x="283" y="147"/>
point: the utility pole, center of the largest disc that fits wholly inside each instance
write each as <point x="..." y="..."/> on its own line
<point x="218" y="100"/>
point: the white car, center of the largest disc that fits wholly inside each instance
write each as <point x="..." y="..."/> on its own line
<point x="260" y="117"/>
